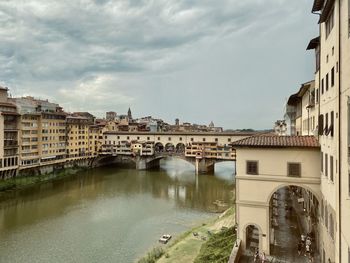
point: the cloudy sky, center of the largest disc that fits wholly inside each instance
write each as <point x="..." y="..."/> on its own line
<point x="231" y="61"/>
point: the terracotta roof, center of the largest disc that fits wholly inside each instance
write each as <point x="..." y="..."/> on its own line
<point x="268" y="141"/>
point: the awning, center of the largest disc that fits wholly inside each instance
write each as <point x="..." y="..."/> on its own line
<point x="315" y="42"/>
<point x="318" y="4"/>
<point x="326" y="11"/>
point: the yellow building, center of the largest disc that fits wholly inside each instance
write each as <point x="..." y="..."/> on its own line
<point x="78" y="137"/>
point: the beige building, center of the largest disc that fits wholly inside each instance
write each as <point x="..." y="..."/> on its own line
<point x="42" y="132"/>
<point x="266" y="164"/>
<point x="9" y="126"/>
<point x="327" y="98"/>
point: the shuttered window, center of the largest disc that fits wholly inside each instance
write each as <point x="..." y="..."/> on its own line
<point x="320" y="124"/>
<point x="252" y="167"/>
<point x="294" y="169"/>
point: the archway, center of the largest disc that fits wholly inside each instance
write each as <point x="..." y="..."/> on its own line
<point x="180" y="148"/>
<point x="158" y="147"/>
<point x="293" y="211"/>
<point x="169" y="147"/>
<point x="252" y="238"/>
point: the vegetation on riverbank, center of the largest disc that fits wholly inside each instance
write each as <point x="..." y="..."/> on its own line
<point x="218" y="248"/>
<point x="216" y="236"/>
<point x="26" y="181"/>
<point x="153" y="256"/>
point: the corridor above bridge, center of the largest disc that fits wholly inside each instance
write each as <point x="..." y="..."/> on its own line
<point x="266" y="164"/>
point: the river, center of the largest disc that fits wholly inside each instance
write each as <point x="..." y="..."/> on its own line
<point x="108" y="214"/>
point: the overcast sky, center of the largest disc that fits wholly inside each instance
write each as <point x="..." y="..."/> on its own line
<point x="233" y="62"/>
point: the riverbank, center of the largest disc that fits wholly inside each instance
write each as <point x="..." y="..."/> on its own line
<point x="21" y="182"/>
<point x="192" y="245"/>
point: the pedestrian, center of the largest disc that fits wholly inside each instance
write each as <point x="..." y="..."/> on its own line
<point x="300" y="245"/>
<point x="256" y="255"/>
<point x="312" y="255"/>
<point x="302" y="237"/>
<point x="307" y="250"/>
<point x="263" y="257"/>
<point x="308" y="242"/>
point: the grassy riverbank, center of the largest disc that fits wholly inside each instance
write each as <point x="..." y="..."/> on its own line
<point x="27" y="181"/>
<point x="214" y="238"/>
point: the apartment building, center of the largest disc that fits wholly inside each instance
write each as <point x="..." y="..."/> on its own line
<point x="42" y="135"/>
<point x="79" y="137"/>
<point x="9" y="126"/>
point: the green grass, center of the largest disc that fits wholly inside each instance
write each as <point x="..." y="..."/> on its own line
<point x="218" y="248"/>
<point x="152" y="256"/>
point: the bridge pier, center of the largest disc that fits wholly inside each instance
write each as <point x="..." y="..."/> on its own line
<point x="205" y="166"/>
<point x="146" y="163"/>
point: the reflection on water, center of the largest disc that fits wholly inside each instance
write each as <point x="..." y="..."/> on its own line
<point x="108" y="214"/>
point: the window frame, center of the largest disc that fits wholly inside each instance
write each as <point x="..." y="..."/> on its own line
<point x="247" y="167"/>
<point x="289" y="174"/>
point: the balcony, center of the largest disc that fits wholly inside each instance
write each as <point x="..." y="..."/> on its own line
<point x="9" y="143"/>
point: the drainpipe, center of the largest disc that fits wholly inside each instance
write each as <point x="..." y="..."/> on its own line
<point x="339" y="134"/>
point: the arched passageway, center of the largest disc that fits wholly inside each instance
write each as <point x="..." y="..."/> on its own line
<point x="293" y="212"/>
<point x="252" y="238"/>
<point x="158" y="147"/>
<point x="180" y="148"/>
<point x="169" y="147"/>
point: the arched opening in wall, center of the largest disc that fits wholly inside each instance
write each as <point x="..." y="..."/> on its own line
<point x="252" y="238"/>
<point x="294" y="226"/>
<point x="169" y="148"/>
<point x="180" y="148"/>
<point x="158" y="147"/>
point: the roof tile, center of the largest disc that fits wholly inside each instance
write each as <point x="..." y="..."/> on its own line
<point x="274" y="141"/>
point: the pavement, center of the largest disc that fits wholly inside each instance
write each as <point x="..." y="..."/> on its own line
<point x="287" y="234"/>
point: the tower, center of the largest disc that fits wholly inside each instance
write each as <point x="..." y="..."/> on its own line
<point x="129" y="114"/>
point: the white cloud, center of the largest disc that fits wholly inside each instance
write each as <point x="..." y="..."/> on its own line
<point x="99" y="54"/>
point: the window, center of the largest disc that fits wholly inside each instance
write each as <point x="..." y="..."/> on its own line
<point x="229" y="139"/>
<point x="349" y="247"/>
<point x="349" y="183"/>
<point x="180" y="138"/>
<point x="203" y="139"/>
<point x="169" y="138"/>
<point x="322" y="86"/>
<point x="326" y="165"/>
<point x="321" y="162"/>
<point x="252" y="167"/>
<point x="148" y="138"/>
<point x="327" y="82"/>
<point x="294" y="169"/>
<point x="329" y="23"/>
<point x="321" y="124"/>
<point x="191" y="139"/>
<point x="317" y="96"/>
<point x="332" y="77"/>
<point x="331" y="127"/>
<point x="331" y="168"/>
<point x="326" y="216"/>
<point x="325" y="130"/>
<point x="331" y="226"/>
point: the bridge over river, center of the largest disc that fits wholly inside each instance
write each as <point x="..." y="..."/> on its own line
<point x="146" y="149"/>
